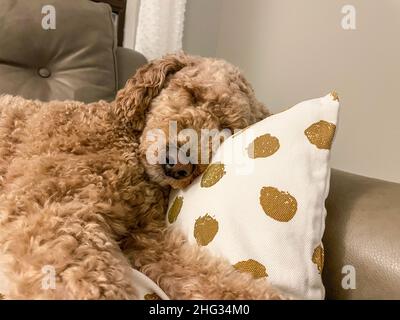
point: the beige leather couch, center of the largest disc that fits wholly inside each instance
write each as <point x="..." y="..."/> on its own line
<point x="79" y="60"/>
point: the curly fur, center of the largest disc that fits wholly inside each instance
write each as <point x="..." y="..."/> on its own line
<point x="77" y="193"/>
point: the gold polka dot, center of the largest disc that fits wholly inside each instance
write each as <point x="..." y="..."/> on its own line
<point x="263" y="146"/>
<point x="335" y="96"/>
<point x="277" y="204"/>
<point x="257" y="269"/>
<point x="321" y="134"/>
<point x="151" y="296"/>
<point x="318" y="257"/>
<point x="175" y="209"/>
<point x="212" y="175"/>
<point x="205" y="230"/>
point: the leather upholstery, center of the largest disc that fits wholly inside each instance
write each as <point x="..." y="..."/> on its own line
<point x="75" y="61"/>
<point x="128" y="62"/>
<point x="362" y="230"/>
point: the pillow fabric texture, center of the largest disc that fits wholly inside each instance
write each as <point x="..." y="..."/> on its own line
<point x="261" y="202"/>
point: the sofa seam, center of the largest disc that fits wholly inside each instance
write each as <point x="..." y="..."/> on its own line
<point x="108" y="12"/>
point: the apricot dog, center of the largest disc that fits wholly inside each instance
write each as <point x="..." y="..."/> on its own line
<point x="78" y="194"/>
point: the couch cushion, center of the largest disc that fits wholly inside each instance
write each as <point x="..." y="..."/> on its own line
<point x="76" y="60"/>
<point x="362" y="238"/>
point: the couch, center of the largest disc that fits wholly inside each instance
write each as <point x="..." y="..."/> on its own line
<point x="80" y="60"/>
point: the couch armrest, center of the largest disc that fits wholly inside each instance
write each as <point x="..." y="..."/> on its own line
<point x="128" y="62"/>
<point x="362" y="230"/>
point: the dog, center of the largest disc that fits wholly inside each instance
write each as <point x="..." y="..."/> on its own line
<point x="78" y="195"/>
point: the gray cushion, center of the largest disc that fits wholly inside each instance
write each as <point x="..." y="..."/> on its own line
<point x="75" y="61"/>
<point x="128" y="62"/>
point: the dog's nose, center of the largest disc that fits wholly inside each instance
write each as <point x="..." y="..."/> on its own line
<point x="178" y="170"/>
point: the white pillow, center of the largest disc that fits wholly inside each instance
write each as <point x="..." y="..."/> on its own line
<point x="262" y="205"/>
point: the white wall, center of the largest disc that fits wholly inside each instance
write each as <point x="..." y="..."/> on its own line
<point x="295" y="50"/>
<point x="202" y="22"/>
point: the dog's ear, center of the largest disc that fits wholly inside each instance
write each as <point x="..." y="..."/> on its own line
<point x="133" y="100"/>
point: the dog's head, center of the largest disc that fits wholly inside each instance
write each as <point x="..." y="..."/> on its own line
<point x="177" y="104"/>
